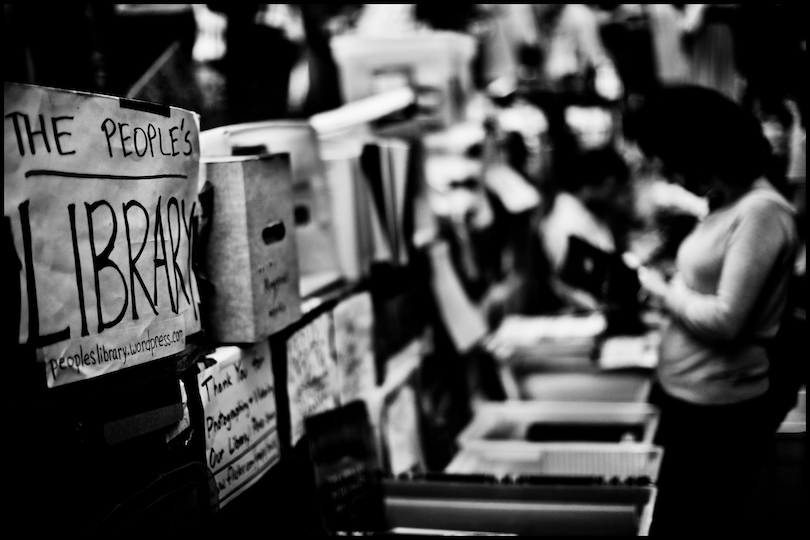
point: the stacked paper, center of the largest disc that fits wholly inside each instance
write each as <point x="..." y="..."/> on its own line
<point x="548" y="342"/>
<point x="618" y="352"/>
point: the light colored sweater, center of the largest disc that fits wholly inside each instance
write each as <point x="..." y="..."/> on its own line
<point x="723" y="301"/>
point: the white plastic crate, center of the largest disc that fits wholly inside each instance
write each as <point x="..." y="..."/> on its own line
<point x="555" y="509"/>
<point x="623" y="461"/>
<point x="510" y="421"/>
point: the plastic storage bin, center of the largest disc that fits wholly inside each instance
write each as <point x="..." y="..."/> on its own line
<point x="606" y="461"/>
<point x="458" y="508"/>
<point x="512" y="424"/>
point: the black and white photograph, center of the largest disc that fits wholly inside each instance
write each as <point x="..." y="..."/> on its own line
<point x="313" y="270"/>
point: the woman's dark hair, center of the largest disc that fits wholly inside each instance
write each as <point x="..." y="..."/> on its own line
<point x="699" y="132"/>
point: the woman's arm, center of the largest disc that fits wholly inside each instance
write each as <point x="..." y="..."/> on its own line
<point x="751" y="251"/>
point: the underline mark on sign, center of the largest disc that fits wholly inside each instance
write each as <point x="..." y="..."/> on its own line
<point x="68" y="174"/>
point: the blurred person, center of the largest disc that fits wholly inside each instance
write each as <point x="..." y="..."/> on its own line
<point x="514" y="158"/>
<point x="697" y="44"/>
<point x="770" y="47"/>
<point x="321" y="91"/>
<point x="724" y="306"/>
<point x="592" y="204"/>
<point x="559" y="60"/>
<point x="777" y="125"/>
<point x="262" y="43"/>
<point x="560" y="45"/>
<point x="671" y="62"/>
<point x="707" y="34"/>
<point x="627" y="34"/>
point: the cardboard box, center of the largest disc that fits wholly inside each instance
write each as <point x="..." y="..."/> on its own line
<point x="251" y="256"/>
<point x="318" y="260"/>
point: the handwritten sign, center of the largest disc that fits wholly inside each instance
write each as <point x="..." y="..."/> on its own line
<point x="239" y="404"/>
<point x="344" y="460"/>
<point x="101" y="193"/>
<point x="354" y="329"/>
<point x="311" y="373"/>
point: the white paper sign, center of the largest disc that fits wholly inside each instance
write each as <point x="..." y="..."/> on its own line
<point x="311" y="373"/>
<point x="101" y="193"/>
<point x="239" y="405"/>
<point x="354" y="348"/>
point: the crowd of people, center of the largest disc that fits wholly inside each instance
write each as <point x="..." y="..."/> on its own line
<point x="712" y="142"/>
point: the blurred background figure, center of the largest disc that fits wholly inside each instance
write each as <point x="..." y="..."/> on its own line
<point x="559" y="47"/>
<point x="708" y="39"/>
<point x="672" y="63"/>
<point x="626" y="30"/>
<point x="262" y="44"/>
<point x="591" y="205"/>
<point x="697" y="44"/>
<point x="770" y="44"/>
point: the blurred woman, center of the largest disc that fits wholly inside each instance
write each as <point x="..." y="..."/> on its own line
<point x="591" y="206"/>
<point x="724" y="304"/>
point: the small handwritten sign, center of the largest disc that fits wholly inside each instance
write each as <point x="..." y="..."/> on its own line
<point x="354" y="330"/>
<point x="311" y="373"/>
<point x="344" y="460"/>
<point x="101" y="193"/>
<point x="239" y="405"/>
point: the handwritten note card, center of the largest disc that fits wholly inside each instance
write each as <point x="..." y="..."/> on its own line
<point x="311" y="373"/>
<point x="102" y="197"/>
<point x="354" y="330"/>
<point x="239" y="404"/>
